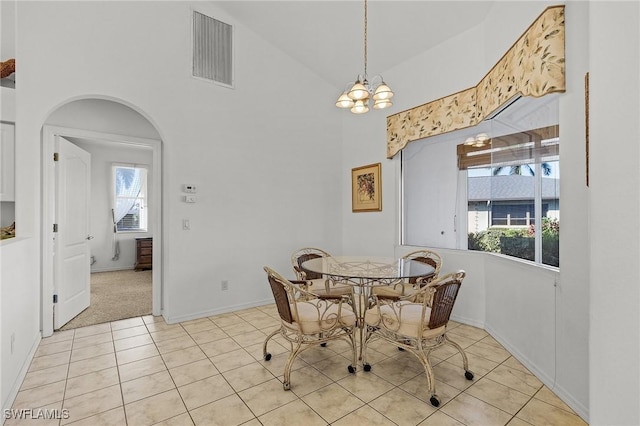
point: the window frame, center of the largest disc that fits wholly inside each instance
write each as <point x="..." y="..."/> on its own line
<point x="144" y="190"/>
<point x="533" y="139"/>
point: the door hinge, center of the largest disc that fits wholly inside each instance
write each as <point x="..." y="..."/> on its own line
<point x="55" y="298"/>
<point x="55" y="156"/>
<point x="55" y="227"/>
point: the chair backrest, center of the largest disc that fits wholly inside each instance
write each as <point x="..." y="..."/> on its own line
<point x="280" y="294"/>
<point x="430" y="258"/>
<point x="301" y="256"/>
<point x="445" y="291"/>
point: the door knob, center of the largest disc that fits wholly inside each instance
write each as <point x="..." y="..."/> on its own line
<point x="89" y="237"/>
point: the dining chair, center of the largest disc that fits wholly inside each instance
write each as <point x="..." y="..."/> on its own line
<point x="307" y="320"/>
<point x="316" y="283"/>
<point x="412" y="286"/>
<point x="416" y="326"/>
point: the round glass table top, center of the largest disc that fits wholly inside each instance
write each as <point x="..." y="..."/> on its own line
<point x="369" y="268"/>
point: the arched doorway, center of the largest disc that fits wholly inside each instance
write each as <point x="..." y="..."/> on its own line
<point x="118" y="134"/>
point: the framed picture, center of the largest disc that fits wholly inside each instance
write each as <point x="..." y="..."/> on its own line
<point x="366" y="188"/>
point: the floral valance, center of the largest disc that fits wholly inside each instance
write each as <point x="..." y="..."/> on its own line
<point x="534" y="66"/>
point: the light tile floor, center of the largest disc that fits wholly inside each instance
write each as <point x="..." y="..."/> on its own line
<point x="142" y="371"/>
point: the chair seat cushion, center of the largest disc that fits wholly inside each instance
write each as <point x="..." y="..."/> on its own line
<point x="319" y="286"/>
<point x="319" y="316"/>
<point x="396" y="290"/>
<point x="404" y="321"/>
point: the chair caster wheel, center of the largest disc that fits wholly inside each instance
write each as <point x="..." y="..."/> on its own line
<point x="323" y="344"/>
<point x="434" y="401"/>
<point x="267" y="356"/>
<point x="367" y="367"/>
<point x="286" y="386"/>
<point x="351" y="369"/>
<point x="468" y="375"/>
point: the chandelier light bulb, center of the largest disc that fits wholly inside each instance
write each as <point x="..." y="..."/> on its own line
<point x="358" y="91"/>
<point x="360" y="107"/>
<point x="382" y="103"/>
<point x="482" y="137"/>
<point x="344" y="101"/>
<point x="382" y="92"/>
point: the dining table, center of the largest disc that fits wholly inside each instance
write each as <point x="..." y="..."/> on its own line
<point x="364" y="273"/>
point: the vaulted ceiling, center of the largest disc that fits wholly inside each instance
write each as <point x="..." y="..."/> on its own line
<point x="328" y="36"/>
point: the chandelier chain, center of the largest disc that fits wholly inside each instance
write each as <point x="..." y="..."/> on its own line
<point x="365" y="39"/>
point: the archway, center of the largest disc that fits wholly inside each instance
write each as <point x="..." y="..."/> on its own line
<point x="114" y="127"/>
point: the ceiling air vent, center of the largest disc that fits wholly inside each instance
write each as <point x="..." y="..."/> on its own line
<point x="212" y="49"/>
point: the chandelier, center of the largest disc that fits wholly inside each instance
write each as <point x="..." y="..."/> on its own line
<point x="357" y="95"/>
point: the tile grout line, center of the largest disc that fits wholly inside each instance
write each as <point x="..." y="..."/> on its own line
<point x="298" y="397"/>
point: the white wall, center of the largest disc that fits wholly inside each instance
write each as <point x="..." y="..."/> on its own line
<point x="572" y="291"/>
<point x="8" y="25"/>
<point x="103" y="116"/>
<point x="614" y="320"/>
<point x="7" y="212"/>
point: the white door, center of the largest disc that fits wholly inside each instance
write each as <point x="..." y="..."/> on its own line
<point x="72" y="251"/>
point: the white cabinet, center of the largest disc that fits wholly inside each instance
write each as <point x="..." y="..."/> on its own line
<point x="7" y="162"/>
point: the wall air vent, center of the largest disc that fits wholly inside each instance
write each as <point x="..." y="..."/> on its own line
<point x="212" y="49"/>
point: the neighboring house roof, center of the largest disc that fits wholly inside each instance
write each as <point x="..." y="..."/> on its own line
<point x="510" y="187"/>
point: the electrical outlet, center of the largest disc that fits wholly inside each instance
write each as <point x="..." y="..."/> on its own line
<point x="224" y="285"/>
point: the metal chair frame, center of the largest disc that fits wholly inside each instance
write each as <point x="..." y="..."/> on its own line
<point x="329" y="321"/>
<point x="329" y="287"/>
<point x="430" y="333"/>
<point x="408" y="288"/>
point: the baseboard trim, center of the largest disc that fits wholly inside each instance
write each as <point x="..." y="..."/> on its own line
<point x="113" y="269"/>
<point x="467" y="321"/>
<point x="170" y="319"/>
<point x="548" y="381"/>
<point x="15" y="388"/>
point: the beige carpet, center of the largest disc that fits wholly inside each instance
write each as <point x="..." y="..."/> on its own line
<point x="115" y="295"/>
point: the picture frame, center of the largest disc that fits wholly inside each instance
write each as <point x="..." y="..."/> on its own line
<point x="366" y="188"/>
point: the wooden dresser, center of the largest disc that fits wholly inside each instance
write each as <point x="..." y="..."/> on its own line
<point x="144" y="253"/>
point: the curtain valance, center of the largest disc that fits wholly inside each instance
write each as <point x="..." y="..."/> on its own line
<point x="534" y="66"/>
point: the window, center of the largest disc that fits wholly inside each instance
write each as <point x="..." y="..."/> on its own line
<point x="503" y="197"/>
<point x="130" y="203"/>
<point x="513" y="205"/>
